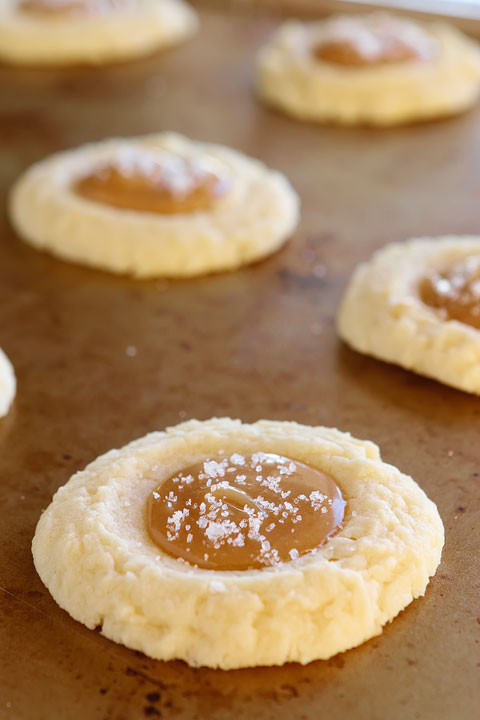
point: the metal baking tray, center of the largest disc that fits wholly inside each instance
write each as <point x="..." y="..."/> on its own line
<point x="256" y="343"/>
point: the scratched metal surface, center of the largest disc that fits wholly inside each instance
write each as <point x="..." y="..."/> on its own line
<point x="256" y="343"/>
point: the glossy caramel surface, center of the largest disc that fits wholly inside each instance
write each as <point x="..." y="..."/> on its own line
<point x="169" y="186"/>
<point x="455" y="293"/>
<point x="244" y="512"/>
<point x="372" y="40"/>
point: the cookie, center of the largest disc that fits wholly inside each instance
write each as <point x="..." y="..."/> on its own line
<point x="59" y="32"/>
<point x="369" y="69"/>
<point x="160" y="205"/>
<point x="417" y="304"/>
<point x="8" y="384"/>
<point x="232" y="545"/>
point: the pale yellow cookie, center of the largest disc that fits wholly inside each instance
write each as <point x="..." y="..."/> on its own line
<point x="375" y="69"/>
<point x="417" y="304"/>
<point x="159" y="205"/>
<point x="94" y="550"/>
<point x="8" y="384"/>
<point x="61" y="32"/>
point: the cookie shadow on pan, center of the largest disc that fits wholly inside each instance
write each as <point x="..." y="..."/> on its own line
<point x="393" y="385"/>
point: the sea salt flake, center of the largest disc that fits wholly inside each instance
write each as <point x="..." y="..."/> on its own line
<point x="272" y="483"/>
<point x="317" y="499"/>
<point x="217" y="587"/>
<point x="176" y="519"/>
<point x="443" y="286"/>
<point x="217" y="531"/>
<point x="214" y="469"/>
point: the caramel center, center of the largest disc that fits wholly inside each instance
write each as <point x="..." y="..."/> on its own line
<point x="169" y="185"/>
<point x="54" y="8"/>
<point x="244" y="512"/>
<point x="455" y="293"/>
<point x="364" y="42"/>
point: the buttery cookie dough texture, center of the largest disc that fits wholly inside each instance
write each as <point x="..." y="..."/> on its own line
<point x="253" y="219"/>
<point x="92" y="550"/>
<point x="291" y="78"/>
<point x="8" y="384"/>
<point x="383" y="315"/>
<point x="130" y="29"/>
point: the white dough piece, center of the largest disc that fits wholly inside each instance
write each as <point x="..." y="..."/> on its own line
<point x="93" y="552"/>
<point x="138" y="28"/>
<point x="292" y="79"/>
<point x="382" y="314"/>
<point x="252" y="220"/>
<point x="8" y="384"/>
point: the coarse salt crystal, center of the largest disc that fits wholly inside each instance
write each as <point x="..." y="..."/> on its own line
<point x="217" y="587"/>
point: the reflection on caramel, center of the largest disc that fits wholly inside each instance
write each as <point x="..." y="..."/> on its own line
<point x="455" y="293"/>
<point x="243" y="512"/>
<point x="376" y="40"/>
<point x="167" y="186"/>
<point x="54" y="8"/>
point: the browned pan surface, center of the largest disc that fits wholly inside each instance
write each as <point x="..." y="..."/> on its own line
<point x="258" y="343"/>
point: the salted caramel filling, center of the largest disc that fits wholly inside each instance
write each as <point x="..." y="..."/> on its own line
<point x="364" y="42"/>
<point x="167" y="186"/>
<point x="244" y="512"/>
<point x="455" y="293"/>
<point x="54" y="8"/>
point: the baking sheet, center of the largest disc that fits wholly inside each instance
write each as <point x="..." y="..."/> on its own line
<point x="257" y="343"/>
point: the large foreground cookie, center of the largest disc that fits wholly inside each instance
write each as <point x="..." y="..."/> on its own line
<point x="8" y="384"/>
<point x="90" y="31"/>
<point x="160" y="205"/>
<point x="132" y="542"/>
<point x="375" y="69"/>
<point x="417" y="304"/>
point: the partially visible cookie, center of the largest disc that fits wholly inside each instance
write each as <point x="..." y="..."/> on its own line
<point x="229" y="544"/>
<point x="417" y="304"/>
<point x="8" y="384"/>
<point x="90" y="31"/>
<point x="159" y="205"/>
<point x="375" y="69"/>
